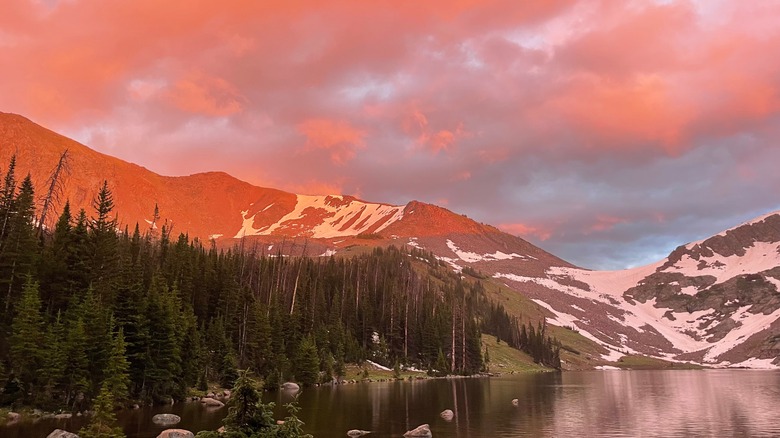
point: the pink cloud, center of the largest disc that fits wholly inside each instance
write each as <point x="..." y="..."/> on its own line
<point x="526" y="230"/>
<point x="339" y="138"/>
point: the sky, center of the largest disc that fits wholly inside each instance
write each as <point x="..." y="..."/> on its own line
<point x="606" y="132"/>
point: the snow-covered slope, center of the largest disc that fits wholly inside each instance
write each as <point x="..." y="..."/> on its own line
<point x="713" y="301"/>
<point x="324" y="217"/>
<point x="716" y="301"/>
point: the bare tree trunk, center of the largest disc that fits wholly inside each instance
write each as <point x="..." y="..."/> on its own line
<point x="55" y="188"/>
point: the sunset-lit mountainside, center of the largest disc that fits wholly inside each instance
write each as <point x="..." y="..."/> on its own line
<point x="714" y="302"/>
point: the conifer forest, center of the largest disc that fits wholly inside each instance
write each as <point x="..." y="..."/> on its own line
<point x="95" y="309"/>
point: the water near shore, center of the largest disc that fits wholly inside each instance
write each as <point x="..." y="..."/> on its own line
<point x="596" y="404"/>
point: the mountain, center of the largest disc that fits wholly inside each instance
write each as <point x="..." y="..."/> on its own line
<point x="714" y="302"/>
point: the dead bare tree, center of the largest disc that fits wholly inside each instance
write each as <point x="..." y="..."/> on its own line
<point x="56" y="184"/>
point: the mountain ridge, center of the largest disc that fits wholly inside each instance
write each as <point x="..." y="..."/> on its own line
<point x="714" y="301"/>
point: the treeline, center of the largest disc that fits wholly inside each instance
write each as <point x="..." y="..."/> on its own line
<point x="88" y="308"/>
<point x="544" y="349"/>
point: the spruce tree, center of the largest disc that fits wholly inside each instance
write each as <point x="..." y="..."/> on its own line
<point x="307" y="363"/>
<point x="27" y="337"/>
<point x="117" y="369"/>
<point x="103" y="421"/>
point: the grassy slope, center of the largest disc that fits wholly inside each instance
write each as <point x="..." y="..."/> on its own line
<point x="578" y="352"/>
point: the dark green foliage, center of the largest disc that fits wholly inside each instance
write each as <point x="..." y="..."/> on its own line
<point x="307" y="363"/>
<point x="248" y="417"/>
<point x="27" y="338"/>
<point x="103" y="421"/>
<point x="146" y="317"/>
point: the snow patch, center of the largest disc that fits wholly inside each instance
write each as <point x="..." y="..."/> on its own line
<point x="758" y="364"/>
<point x="759" y="257"/>
<point x="361" y="216"/>
<point x="328" y="253"/>
<point x="376" y="365"/>
<point x="608" y="368"/>
<point x="472" y="257"/>
<point x="215" y="236"/>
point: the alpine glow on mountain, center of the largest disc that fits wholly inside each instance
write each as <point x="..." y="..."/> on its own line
<point x="609" y="132"/>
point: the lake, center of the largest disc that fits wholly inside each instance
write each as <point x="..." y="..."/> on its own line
<point x="692" y="403"/>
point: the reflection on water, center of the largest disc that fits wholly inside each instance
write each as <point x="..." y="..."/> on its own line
<point x="593" y="404"/>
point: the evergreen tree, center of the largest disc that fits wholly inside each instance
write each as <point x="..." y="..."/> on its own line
<point x="117" y="379"/>
<point x="27" y="337"/>
<point x="103" y="421"/>
<point x="307" y="363"/>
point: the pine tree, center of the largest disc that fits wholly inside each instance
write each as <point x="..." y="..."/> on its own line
<point x="307" y="363"/>
<point x="27" y="337"/>
<point x="19" y="250"/>
<point x="117" y="375"/>
<point x="103" y="422"/>
<point x="103" y="238"/>
<point x="53" y="362"/>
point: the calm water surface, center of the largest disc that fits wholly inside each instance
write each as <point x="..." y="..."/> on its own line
<point x="712" y="403"/>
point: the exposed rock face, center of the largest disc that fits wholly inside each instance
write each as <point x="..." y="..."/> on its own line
<point x="59" y="433"/>
<point x="176" y="433"/>
<point x="422" y="430"/>
<point x="211" y="402"/>
<point x="166" y="419"/>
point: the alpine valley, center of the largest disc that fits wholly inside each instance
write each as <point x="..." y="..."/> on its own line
<point x="715" y="302"/>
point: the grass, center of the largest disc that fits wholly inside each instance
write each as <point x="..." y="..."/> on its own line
<point x="505" y="359"/>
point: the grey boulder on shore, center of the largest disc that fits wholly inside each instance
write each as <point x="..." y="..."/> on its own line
<point x="176" y="433"/>
<point x="59" y="433"/>
<point x="166" y="419"/>
<point x="422" y="430"/>
<point x="211" y="402"/>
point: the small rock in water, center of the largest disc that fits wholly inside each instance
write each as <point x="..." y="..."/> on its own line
<point x="447" y="415"/>
<point x="211" y="402"/>
<point x="166" y="419"/>
<point x="59" y="433"/>
<point x="357" y="432"/>
<point x="291" y="386"/>
<point x="63" y="416"/>
<point x="176" y="433"/>
<point x="515" y="402"/>
<point x="422" y="430"/>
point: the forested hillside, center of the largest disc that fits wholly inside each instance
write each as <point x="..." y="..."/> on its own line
<point x="93" y="306"/>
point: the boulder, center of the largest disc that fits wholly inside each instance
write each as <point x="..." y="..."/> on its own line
<point x="211" y="402"/>
<point x="176" y="433"/>
<point x="166" y="419"/>
<point x="447" y="415"/>
<point x="357" y="432"/>
<point x="59" y="433"/>
<point x="226" y="393"/>
<point x="63" y="416"/>
<point x="14" y="416"/>
<point x="422" y="430"/>
<point x="515" y="402"/>
<point x="290" y="386"/>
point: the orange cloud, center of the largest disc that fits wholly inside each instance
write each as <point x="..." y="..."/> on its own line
<point x="525" y="230"/>
<point x="201" y="94"/>
<point x="339" y="138"/>
<point x="613" y="114"/>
